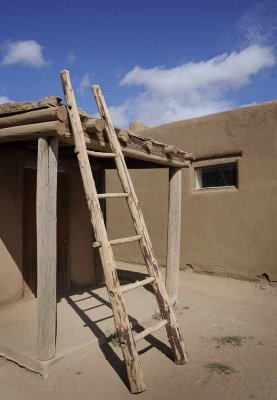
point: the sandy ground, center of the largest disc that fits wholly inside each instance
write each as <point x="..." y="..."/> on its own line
<point x="209" y="307"/>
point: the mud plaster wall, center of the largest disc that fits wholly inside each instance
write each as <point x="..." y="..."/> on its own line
<point x="80" y="236"/>
<point x="11" y="282"/>
<point x="151" y="185"/>
<point x="79" y="231"/>
<point x="229" y="232"/>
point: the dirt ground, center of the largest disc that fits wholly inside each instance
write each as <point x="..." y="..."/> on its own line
<point x="244" y="313"/>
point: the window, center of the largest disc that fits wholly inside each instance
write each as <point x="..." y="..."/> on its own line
<point x="215" y="176"/>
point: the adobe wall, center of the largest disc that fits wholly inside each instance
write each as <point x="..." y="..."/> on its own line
<point x="11" y="265"/>
<point x="152" y="189"/>
<point x="79" y="231"/>
<point x="229" y="232"/>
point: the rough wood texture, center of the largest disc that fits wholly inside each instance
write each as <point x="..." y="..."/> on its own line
<point x="123" y="136"/>
<point x="128" y="239"/>
<point x="23" y="106"/>
<point x="93" y="125"/>
<point x="111" y="195"/>
<point x="99" y="154"/>
<point x="135" y="285"/>
<point x="34" y="117"/>
<point x="120" y="241"/>
<point x="46" y="246"/>
<point x="166" y="310"/>
<point x="134" y="149"/>
<point x="150" y="330"/>
<point x="33" y="131"/>
<point x="174" y="233"/>
<point x="148" y="145"/>
<point x="141" y="148"/>
<point x="122" y="323"/>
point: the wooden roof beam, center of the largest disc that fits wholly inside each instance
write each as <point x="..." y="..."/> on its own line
<point x="50" y="118"/>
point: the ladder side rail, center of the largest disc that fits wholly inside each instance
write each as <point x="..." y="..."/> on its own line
<point x="173" y="331"/>
<point x="122" y="323"/>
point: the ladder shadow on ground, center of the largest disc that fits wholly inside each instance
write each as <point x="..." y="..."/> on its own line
<point x="126" y="276"/>
<point x="110" y="355"/>
<point x="112" y="358"/>
<point x="136" y="327"/>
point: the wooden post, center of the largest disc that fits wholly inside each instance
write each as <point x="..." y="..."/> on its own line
<point x="46" y="246"/>
<point x="174" y="233"/>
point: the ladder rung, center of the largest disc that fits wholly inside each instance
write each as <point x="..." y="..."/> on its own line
<point x="126" y="240"/>
<point x="131" y="286"/>
<point x="120" y="241"/>
<point x="150" y="330"/>
<point x="99" y="154"/>
<point x="111" y="195"/>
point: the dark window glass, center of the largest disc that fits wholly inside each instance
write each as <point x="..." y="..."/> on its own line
<point x="218" y="175"/>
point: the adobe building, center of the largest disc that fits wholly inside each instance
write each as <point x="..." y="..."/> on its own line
<point x="45" y="227"/>
<point x="229" y="212"/>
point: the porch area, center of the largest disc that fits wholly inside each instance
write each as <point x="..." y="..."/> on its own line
<point x="39" y="332"/>
<point x="84" y="320"/>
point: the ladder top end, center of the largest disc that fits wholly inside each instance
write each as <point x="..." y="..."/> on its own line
<point x="96" y="88"/>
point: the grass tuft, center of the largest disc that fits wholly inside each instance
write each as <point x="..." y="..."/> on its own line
<point x="235" y="340"/>
<point x="157" y="316"/>
<point x="220" y="368"/>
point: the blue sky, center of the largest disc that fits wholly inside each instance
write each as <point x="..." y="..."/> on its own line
<point x="155" y="60"/>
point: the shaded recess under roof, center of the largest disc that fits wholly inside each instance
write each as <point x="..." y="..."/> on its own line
<point x="27" y="121"/>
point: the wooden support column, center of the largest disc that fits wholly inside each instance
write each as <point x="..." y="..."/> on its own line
<point x="47" y="165"/>
<point x="174" y="233"/>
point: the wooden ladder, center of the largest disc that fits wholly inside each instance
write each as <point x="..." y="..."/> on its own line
<point x="126" y="337"/>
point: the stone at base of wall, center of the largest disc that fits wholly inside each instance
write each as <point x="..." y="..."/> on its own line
<point x="211" y="269"/>
<point x="219" y="270"/>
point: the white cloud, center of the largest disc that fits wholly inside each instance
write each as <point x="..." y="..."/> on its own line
<point x="5" y="99"/>
<point x="220" y="73"/>
<point x="192" y="89"/>
<point x="85" y="83"/>
<point x="71" y="57"/>
<point x="24" y="52"/>
<point x="119" y="114"/>
<point x="258" y="24"/>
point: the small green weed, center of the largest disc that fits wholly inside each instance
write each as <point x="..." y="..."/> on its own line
<point x="220" y="368"/>
<point x="235" y="340"/>
<point x="157" y="316"/>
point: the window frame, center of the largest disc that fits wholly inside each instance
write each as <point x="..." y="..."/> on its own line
<point x="201" y="164"/>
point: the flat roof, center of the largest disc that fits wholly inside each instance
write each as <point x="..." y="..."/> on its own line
<point x="29" y="120"/>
